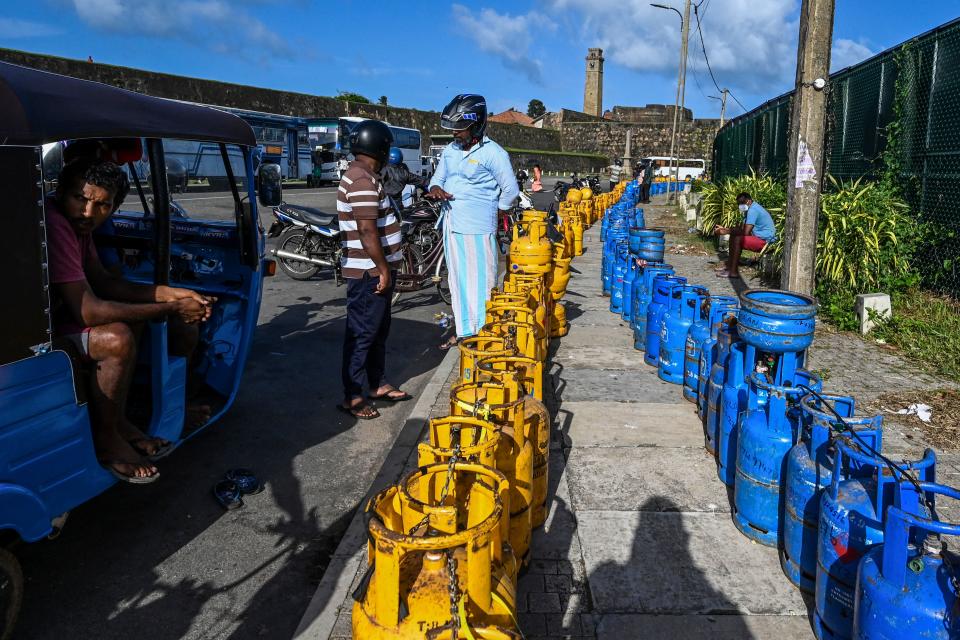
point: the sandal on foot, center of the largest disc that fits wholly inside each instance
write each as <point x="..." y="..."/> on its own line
<point x="246" y="481"/>
<point x="164" y="449"/>
<point x="450" y="344"/>
<point x="723" y="273"/>
<point x="227" y="493"/>
<point x="402" y="396"/>
<point x="357" y="411"/>
<point x="123" y="477"/>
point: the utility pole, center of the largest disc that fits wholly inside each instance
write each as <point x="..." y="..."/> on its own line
<point x="723" y="106"/>
<point x="806" y="151"/>
<point x="681" y="82"/>
<point x="627" y="169"/>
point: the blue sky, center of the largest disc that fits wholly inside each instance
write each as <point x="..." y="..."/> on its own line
<point x="420" y="52"/>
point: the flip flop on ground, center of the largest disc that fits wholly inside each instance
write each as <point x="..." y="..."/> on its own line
<point x="393" y="395"/>
<point x="449" y="344"/>
<point x="151" y="448"/>
<point x="111" y="466"/>
<point x="360" y="411"/>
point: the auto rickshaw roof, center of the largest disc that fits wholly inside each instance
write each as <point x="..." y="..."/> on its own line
<point x="37" y="107"/>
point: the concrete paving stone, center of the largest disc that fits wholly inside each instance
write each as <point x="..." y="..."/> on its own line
<point x="543" y="602"/>
<point x="645" y="479"/>
<point x="703" y="627"/>
<point x="533" y="624"/>
<point x="680" y="563"/>
<point x="629" y="424"/>
<point x="640" y="384"/>
<point x="558" y="584"/>
<point x="531" y="583"/>
<point x="618" y="353"/>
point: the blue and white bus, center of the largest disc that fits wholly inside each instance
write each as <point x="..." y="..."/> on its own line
<point x="281" y="140"/>
<point x="329" y="144"/>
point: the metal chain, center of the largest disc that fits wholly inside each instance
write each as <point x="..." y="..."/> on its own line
<point x="453" y="590"/>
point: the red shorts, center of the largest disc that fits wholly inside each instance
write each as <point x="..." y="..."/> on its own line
<point x="753" y="243"/>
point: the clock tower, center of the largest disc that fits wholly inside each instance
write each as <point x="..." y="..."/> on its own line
<point x="593" y="89"/>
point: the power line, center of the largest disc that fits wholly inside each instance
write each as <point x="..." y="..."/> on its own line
<point x="706" y="59"/>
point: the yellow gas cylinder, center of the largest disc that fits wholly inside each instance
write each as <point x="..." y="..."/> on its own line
<point x="568" y="234"/>
<point x="574" y="195"/>
<point x="578" y="236"/>
<point x="479" y="346"/>
<point x="586" y="193"/>
<point x="559" y="277"/>
<point x="559" y="326"/>
<point x="536" y="284"/>
<point x="503" y="305"/>
<point x="526" y="373"/>
<point x="531" y="252"/>
<point x="529" y="373"/>
<point x="500" y="404"/>
<point x="426" y="546"/>
<point x="504" y="312"/>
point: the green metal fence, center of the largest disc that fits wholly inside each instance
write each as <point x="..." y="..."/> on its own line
<point x="905" y="100"/>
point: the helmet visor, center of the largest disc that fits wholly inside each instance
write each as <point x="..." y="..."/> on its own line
<point x="458" y="121"/>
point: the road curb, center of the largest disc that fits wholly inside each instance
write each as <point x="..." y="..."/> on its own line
<point x="321" y="614"/>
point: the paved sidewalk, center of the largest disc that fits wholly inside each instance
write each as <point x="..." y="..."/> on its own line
<point x="639" y="542"/>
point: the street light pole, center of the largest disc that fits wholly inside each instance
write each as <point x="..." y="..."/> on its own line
<point x="674" y="167"/>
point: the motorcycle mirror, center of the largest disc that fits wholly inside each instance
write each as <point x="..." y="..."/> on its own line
<point x="269" y="189"/>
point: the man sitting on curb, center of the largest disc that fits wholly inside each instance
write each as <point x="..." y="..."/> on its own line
<point x="753" y="235"/>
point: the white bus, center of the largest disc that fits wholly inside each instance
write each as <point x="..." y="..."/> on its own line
<point x="329" y="142"/>
<point x="686" y="167"/>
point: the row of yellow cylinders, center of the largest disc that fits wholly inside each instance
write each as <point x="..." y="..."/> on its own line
<point x="446" y="544"/>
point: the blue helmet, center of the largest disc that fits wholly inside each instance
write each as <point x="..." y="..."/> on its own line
<point x="396" y="156"/>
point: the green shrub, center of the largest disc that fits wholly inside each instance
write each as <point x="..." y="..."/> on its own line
<point x="720" y="200"/>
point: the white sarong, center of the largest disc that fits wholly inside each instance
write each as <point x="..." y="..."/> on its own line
<point x="472" y="261"/>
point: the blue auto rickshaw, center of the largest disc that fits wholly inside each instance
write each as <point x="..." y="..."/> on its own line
<point x="47" y="460"/>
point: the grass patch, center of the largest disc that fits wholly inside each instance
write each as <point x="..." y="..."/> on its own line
<point x="943" y="430"/>
<point x="926" y="327"/>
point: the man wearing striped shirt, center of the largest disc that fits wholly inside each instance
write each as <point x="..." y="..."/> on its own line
<point x="370" y="233"/>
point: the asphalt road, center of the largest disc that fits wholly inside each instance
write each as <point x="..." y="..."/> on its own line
<point x="164" y="561"/>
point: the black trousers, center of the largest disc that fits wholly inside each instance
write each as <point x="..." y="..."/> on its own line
<point x="365" y="337"/>
<point x="645" y="191"/>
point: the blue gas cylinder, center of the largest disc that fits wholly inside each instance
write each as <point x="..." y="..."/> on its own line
<point x="662" y="294"/>
<point x="652" y="249"/>
<point x="710" y="403"/>
<point x="610" y="251"/>
<point x="638" y="219"/>
<point x="620" y="267"/>
<point x="733" y="400"/>
<point x="809" y="470"/>
<point x="642" y="296"/>
<point x="777" y="321"/>
<point x="702" y="335"/>
<point x="766" y="432"/>
<point x="851" y="522"/>
<point x="638" y="235"/>
<point x="629" y="281"/>
<point x="685" y="307"/>
<point x="905" y="587"/>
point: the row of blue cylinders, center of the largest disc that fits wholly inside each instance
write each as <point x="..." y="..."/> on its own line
<point x="797" y="485"/>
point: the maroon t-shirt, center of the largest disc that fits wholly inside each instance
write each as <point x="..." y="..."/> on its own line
<point x="68" y="255"/>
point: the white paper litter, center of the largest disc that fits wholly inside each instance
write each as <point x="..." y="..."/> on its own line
<point x="922" y="411"/>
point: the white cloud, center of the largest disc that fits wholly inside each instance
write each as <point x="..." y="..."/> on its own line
<point x="751" y="44"/>
<point x="219" y="25"/>
<point x="848" y="52"/>
<point x="504" y="36"/>
<point x="14" y="28"/>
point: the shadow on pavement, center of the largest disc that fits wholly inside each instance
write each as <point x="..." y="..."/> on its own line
<point x="662" y="578"/>
<point x="165" y="561"/>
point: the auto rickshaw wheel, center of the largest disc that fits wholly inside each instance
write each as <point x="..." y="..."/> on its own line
<point x="11" y="593"/>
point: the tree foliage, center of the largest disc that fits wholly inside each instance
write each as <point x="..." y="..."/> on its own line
<point x="536" y="108"/>
<point x="383" y="100"/>
<point x="350" y="96"/>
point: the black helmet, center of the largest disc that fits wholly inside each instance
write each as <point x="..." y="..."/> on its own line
<point x="371" y="138"/>
<point x="465" y="111"/>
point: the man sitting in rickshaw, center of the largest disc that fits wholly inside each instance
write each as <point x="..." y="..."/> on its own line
<point x="102" y="314"/>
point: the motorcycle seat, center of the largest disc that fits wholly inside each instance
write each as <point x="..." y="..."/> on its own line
<point x="310" y="215"/>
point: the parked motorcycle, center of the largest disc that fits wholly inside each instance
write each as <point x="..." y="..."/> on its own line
<point x="309" y="240"/>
